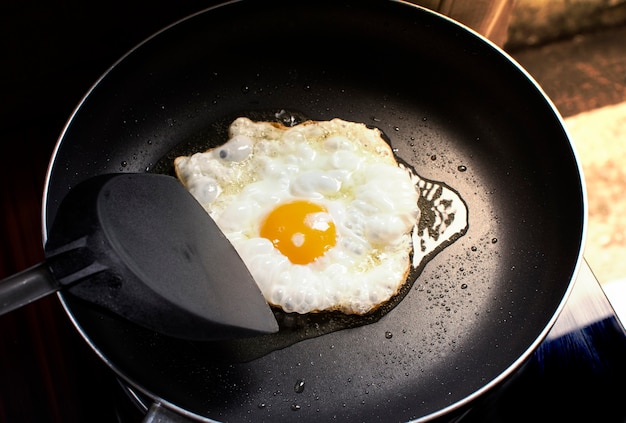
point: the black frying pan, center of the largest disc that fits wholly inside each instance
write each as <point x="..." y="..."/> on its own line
<point x="452" y="105"/>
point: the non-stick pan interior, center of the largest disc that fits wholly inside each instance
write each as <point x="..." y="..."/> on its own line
<point x="452" y="105"/>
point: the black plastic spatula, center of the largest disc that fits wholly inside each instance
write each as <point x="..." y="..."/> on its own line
<point x="140" y="246"/>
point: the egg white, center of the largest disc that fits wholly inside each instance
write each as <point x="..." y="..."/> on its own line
<point x="344" y="166"/>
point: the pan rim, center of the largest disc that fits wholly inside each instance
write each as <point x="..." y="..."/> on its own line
<point x="455" y="406"/>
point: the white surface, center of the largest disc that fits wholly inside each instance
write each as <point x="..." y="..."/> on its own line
<point x="616" y="293"/>
<point x="599" y="137"/>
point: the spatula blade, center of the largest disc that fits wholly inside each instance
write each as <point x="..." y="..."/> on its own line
<point x="140" y="246"/>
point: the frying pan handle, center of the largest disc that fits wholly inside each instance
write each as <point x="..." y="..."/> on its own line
<point x="25" y="287"/>
<point x="159" y="414"/>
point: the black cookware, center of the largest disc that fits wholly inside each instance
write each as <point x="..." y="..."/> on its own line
<point x="140" y="246"/>
<point x="453" y="106"/>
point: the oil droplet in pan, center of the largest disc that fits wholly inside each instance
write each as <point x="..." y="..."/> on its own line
<point x="299" y="386"/>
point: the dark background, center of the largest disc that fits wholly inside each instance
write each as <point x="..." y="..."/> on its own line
<point x="52" y="53"/>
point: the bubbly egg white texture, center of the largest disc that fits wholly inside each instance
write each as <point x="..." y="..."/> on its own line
<point x="342" y="242"/>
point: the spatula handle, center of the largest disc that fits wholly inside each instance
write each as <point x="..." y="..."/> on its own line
<point x="25" y="287"/>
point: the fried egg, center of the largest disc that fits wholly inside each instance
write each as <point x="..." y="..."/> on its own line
<point x="320" y="212"/>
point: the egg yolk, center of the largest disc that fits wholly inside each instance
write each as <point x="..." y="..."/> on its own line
<point x="302" y="231"/>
